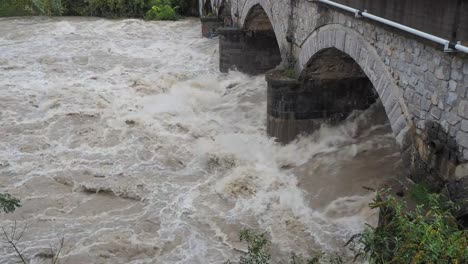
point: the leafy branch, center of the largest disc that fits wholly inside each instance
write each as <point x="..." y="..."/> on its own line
<point x="8" y="203"/>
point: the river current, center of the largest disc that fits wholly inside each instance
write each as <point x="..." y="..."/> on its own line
<point x="122" y="137"/>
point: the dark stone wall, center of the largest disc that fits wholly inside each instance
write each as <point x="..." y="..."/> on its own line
<point x="251" y="52"/>
<point x="430" y="155"/>
<point x="295" y="107"/>
<point x="462" y="25"/>
<point x="224" y="13"/>
<point x="334" y="99"/>
<point x="281" y="109"/>
<point x="210" y="26"/>
<point x="447" y="19"/>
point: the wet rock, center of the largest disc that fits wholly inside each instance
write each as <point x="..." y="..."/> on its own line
<point x="461" y="171"/>
<point x="130" y="122"/>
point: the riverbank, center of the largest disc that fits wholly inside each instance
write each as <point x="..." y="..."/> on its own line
<point x="147" y="9"/>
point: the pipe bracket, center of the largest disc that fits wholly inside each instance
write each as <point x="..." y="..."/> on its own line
<point x="358" y="14"/>
<point x="450" y="46"/>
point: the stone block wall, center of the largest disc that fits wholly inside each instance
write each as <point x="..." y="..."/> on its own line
<point x="283" y="122"/>
<point x="300" y="107"/>
<point x="251" y="52"/>
<point x="210" y="26"/>
<point x="424" y="89"/>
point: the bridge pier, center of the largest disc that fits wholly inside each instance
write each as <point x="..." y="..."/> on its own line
<point x="282" y="93"/>
<point x="210" y="26"/>
<point x="251" y="52"/>
<point x="299" y="107"/>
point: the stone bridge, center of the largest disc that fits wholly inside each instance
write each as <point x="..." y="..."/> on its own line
<point x="329" y="62"/>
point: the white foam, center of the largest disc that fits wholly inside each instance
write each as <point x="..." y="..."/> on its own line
<point x="177" y="152"/>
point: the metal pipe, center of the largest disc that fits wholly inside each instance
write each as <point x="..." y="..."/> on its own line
<point x="448" y="45"/>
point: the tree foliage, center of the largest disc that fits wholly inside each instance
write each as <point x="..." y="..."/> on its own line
<point x="150" y="9"/>
<point x="8" y="203"/>
<point x="161" y="10"/>
<point x="427" y="234"/>
<point x="15" y="8"/>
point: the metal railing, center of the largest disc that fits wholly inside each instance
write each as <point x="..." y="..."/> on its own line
<point x="449" y="46"/>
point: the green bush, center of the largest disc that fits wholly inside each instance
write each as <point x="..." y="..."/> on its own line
<point x="8" y="204"/>
<point x="15" y="8"/>
<point x="48" y="7"/>
<point x="149" y="9"/>
<point x="258" y="252"/>
<point x="31" y="7"/>
<point x="161" y="10"/>
<point x="115" y="8"/>
<point x="427" y="234"/>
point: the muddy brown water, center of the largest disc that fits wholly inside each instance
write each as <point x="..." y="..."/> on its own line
<point x="122" y="137"/>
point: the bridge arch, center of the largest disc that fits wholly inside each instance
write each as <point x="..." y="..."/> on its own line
<point x="254" y="47"/>
<point x="346" y="46"/>
<point x="251" y="8"/>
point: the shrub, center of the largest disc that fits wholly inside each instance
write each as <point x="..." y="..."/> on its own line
<point x="258" y="252"/>
<point x="257" y="247"/>
<point x="15" y="8"/>
<point x="31" y="7"/>
<point x="8" y="203"/>
<point x="110" y="8"/>
<point x="48" y="7"/>
<point x="165" y="9"/>
<point x="427" y="234"/>
<point x="161" y="10"/>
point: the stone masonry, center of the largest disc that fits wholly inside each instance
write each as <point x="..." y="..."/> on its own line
<point x="423" y="89"/>
<point x="210" y="26"/>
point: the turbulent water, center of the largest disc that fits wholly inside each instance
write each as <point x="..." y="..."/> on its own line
<point x="122" y="137"/>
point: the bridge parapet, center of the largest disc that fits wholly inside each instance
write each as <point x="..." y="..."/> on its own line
<point x="447" y="19"/>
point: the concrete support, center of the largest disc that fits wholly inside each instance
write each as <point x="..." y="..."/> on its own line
<point x="210" y="26"/>
<point x="251" y="52"/>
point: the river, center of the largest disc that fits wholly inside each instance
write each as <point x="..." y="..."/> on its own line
<point x="122" y="137"/>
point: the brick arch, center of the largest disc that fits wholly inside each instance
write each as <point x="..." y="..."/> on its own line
<point x="354" y="45"/>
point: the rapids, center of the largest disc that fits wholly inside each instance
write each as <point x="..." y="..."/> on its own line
<point x="122" y="137"/>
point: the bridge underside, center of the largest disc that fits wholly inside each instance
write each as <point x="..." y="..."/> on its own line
<point x="331" y="86"/>
<point x="253" y="49"/>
